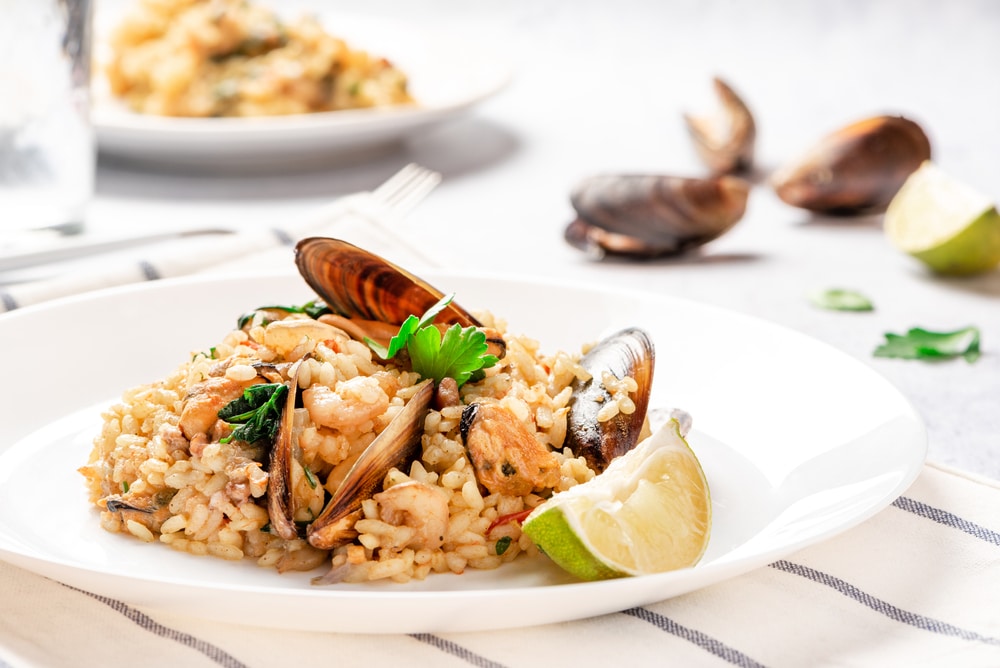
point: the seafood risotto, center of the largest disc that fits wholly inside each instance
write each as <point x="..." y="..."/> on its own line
<point x="232" y="58"/>
<point x="292" y="441"/>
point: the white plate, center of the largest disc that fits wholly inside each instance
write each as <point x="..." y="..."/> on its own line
<point x="799" y="442"/>
<point x="449" y="72"/>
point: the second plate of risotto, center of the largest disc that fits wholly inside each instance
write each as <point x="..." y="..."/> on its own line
<point x="221" y="82"/>
<point x="790" y="455"/>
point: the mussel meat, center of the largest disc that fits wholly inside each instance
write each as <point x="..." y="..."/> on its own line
<point x="856" y="169"/>
<point x="724" y="141"/>
<point x="653" y="215"/>
<point x="505" y="454"/>
<point x="359" y="284"/>
<point x="397" y="444"/>
<point x="589" y="433"/>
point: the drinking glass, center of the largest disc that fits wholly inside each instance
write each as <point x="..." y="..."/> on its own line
<point x="47" y="149"/>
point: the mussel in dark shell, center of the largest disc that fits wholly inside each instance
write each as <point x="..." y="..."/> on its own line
<point x="856" y="169"/>
<point x="724" y="141"/>
<point x="599" y="428"/>
<point x="653" y="215"/>
<point x="359" y="284"/>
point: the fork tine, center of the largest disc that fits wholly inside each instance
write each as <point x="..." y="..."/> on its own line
<point x="418" y="189"/>
<point x="397" y="196"/>
<point x="397" y="182"/>
<point x="406" y="188"/>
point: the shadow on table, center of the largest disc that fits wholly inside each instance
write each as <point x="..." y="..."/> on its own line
<point x="456" y="149"/>
<point x="834" y="221"/>
<point x="691" y="258"/>
<point x="987" y="284"/>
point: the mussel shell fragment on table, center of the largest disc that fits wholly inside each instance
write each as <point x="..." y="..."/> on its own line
<point x="651" y="215"/>
<point x="856" y="169"/>
<point x="724" y="140"/>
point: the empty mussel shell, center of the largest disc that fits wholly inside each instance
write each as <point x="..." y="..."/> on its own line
<point x="649" y="215"/>
<point x="856" y="169"/>
<point x="724" y="140"/>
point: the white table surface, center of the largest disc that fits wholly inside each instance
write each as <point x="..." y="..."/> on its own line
<point x="601" y="87"/>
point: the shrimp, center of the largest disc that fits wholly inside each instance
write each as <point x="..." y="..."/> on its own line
<point x="353" y="403"/>
<point x="418" y="506"/>
<point x="204" y="400"/>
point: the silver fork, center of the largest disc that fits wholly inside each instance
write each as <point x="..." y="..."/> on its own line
<point x="396" y="197"/>
<point x="406" y="188"/>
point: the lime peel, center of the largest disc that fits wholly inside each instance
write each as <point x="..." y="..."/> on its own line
<point x="951" y="227"/>
<point x="649" y="511"/>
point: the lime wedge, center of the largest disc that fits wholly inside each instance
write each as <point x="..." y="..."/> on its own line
<point x="648" y="512"/>
<point x="945" y="223"/>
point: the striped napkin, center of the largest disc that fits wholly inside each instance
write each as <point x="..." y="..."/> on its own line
<point x="916" y="585"/>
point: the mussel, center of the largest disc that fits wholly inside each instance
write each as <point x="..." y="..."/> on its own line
<point x="505" y="454"/>
<point x="629" y="352"/>
<point x="724" y="141"/>
<point x="361" y="285"/>
<point x="856" y="169"/>
<point x="398" y="443"/>
<point x="643" y="215"/>
<point x="279" y="486"/>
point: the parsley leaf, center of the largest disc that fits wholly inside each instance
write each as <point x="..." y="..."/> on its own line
<point x="922" y="344"/>
<point x="257" y="412"/>
<point x="503" y="543"/>
<point x="837" y="299"/>
<point x="460" y="354"/>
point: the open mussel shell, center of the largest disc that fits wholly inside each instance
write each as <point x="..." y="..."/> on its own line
<point x="628" y="353"/>
<point x="398" y="444"/>
<point x="856" y="169"/>
<point x="649" y="215"/>
<point x="280" y="508"/>
<point x="359" y="284"/>
<point x="724" y="140"/>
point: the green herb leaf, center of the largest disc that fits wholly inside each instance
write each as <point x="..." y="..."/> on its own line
<point x="257" y="411"/>
<point x="398" y="342"/>
<point x="922" y="344"/>
<point x="310" y="477"/>
<point x="460" y="354"/>
<point x="837" y="299"/>
<point x="503" y="543"/>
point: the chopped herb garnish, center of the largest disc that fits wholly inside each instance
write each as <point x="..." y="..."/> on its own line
<point x="213" y="353"/>
<point x="461" y="353"/>
<point x="837" y="299"/>
<point x="310" y="477"/>
<point x="503" y="543"/>
<point x="257" y="412"/>
<point x="124" y="486"/>
<point x="926" y="345"/>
